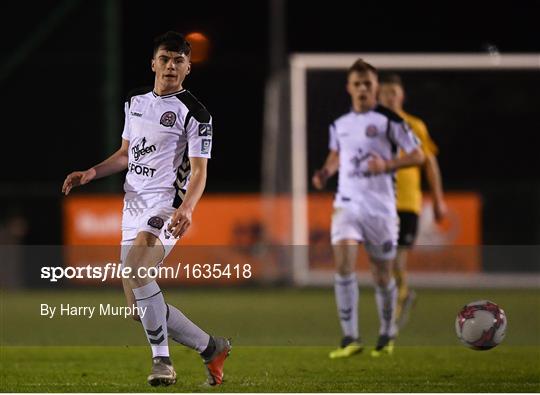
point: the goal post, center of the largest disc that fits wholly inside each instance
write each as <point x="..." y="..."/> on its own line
<point x="303" y="63"/>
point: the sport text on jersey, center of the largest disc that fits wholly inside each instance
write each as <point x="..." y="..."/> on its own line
<point x="141" y="170"/>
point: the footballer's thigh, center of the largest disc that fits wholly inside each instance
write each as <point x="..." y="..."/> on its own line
<point x="132" y="252"/>
<point x="345" y="255"/>
<point x="145" y="243"/>
<point x="146" y="252"/>
<point x="346" y="235"/>
<point x="152" y="242"/>
<point x="381" y="233"/>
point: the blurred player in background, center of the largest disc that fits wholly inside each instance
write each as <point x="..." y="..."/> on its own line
<point x="166" y="144"/>
<point x="363" y="148"/>
<point x="409" y="192"/>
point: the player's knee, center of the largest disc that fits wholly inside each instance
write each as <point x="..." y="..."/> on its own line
<point x="382" y="282"/>
<point x="382" y="279"/>
<point x="138" y="281"/>
<point x="344" y="269"/>
<point x="142" y="260"/>
<point x="381" y="276"/>
<point x="145" y="239"/>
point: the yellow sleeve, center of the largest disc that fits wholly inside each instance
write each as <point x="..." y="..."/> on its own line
<point x="420" y="130"/>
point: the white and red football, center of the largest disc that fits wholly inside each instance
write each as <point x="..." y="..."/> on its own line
<point x="481" y="325"/>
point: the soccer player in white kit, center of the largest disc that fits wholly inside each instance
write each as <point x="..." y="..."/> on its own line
<point x="166" y="144"/>
<point x="363" y="148"/>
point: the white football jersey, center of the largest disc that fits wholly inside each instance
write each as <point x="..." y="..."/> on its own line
<point x="163" y="132"/>
<point x="356" y="136"/>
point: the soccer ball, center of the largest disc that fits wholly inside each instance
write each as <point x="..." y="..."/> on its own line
<point x="481" y="325"/>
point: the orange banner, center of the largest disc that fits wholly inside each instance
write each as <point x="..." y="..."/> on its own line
<point x="232" y="219"/>
<point x="244" y="222"/>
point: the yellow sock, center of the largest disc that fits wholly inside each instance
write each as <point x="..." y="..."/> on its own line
<point x="403" y="289"/>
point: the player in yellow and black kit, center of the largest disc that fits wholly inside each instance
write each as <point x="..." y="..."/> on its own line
<point x="409" y="192"/>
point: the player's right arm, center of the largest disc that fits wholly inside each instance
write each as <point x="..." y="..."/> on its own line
<point x="331" y="164"/>
<point x="330" y="167"/>
<point x="115" y="163"/>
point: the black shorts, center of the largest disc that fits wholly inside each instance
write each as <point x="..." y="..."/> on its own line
<point x="408" y="228"/>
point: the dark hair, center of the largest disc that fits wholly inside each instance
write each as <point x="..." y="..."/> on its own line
<point x="361" y="67"/>
<point x="172" y="41"/>
<point x="391" y="78"/>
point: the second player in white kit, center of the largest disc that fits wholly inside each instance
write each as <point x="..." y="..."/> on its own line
<point x="365" y="202"/>
<point x="363" y="148"/>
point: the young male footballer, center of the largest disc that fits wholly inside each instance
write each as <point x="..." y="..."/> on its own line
<point x="166" y="143"/>
<point x="363" y="148"/>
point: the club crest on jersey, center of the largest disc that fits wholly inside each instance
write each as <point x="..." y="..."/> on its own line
<point x="168" y="119"/>
<point x="371" y="130"/>
<point x="156" y="222"/>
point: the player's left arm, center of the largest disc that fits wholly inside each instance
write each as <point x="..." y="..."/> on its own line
<point x="378" y="165"/>
<point x="414" y="158"/>
<point x="434" y="179"/>
<point x="181" y="219"/>
<point x="431" y="169"/>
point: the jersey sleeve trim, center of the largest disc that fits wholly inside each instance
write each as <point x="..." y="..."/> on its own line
<point x="391" y="115"/>
<point x="195" y="108"/>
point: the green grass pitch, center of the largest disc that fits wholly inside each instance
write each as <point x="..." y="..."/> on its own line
<point x="281" y="339"/>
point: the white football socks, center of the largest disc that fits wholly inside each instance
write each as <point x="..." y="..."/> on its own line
<point x="184" y="331"/>
<point x="154" y="319"/>
<point x="386" y="298"/>
<point x="346" y="290"/>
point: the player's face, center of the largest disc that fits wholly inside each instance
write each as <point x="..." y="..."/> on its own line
<point x="391" y="96"/>
<point x="171" y="68"/>
<point x="363" y="89"/>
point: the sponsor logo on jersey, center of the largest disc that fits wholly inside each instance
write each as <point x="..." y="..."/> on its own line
<point x="141" y="149"/>
<point x="371" y="131"/>
<point x="205" y="146"/>
<point x="141" y="170"/>
<point x="205" y="129"/>
<point x="136" y="114"/>
<point x="357" y="161"/>
<point x="156" y="222"/>
<point x="168" y="119"/>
